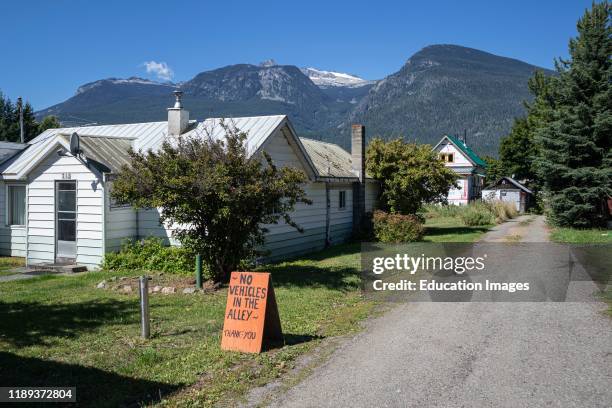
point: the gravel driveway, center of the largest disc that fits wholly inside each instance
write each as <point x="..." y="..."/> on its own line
<point x="471" y="354"/>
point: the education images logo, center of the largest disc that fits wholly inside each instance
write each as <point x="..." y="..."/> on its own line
<point x="404" y="263"/>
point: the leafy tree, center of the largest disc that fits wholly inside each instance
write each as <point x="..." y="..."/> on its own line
<point x="411" y="175"/>
<point x="494" y="170"/>
<point x="574" y="142"/>
<point x="216" y="196"/>
<point x="48" y="122"/>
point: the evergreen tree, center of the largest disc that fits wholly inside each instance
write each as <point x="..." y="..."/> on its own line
<point x="517" y="151"/>
<point x="9" y="121"/>
<point x="30" y="125"/>
<point x="575" y="159"/>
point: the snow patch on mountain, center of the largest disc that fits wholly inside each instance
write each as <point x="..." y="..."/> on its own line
<point x="326" y="79"/>
<point x="115" y="81"/>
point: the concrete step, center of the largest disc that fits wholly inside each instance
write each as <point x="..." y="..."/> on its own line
<point x="61" y="267"/>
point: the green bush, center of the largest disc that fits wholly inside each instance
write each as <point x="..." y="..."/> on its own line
<point x="477" y="214"/>
<point x="396" y="228"/>
<point x="150" y="254"/>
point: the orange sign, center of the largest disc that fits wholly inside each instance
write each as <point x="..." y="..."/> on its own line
<point x="251" y="315"/>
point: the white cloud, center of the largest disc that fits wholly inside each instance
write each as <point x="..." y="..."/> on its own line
<point x="160" y="69"/>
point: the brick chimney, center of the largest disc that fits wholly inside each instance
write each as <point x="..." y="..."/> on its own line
<point x="178" y="117"/>
<point x="358" y="167"/>
<point x="358" y="151"/>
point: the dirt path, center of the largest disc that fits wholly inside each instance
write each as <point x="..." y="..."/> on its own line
<point x="472" y="354"/>
<point x="526" y="228"/>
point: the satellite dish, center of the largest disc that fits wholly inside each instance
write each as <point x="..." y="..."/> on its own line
<point x="74" y="144"/>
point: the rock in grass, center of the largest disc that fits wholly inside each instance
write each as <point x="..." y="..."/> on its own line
<point x="126" y="289"/>
<point x="168" y="290"/>
<point x="101" y="285"/>
<point x="156" y="289"/>
<point x="189" y="290"/>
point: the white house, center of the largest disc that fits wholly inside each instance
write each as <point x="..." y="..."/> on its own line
<point x="55" y="206"/>
<point x="509" y="190"/>
<point x="471" y="169"/>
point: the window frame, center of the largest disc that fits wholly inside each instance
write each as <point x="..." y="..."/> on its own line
<point x="447" y="157"/>
<point x="342" y="200"/>
<point x="8" y="207"/>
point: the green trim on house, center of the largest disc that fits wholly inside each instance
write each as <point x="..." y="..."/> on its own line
<point x="469" y="152"/>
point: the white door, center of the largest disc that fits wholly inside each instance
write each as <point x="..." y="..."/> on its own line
<point x="65" y="224"/>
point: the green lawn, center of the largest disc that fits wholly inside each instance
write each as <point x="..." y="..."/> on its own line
<point x="586" y="236"/>
<point x="578" y="236"/>
<point x="451" y="229"/>
<point x="8" y="263"/>
<point x="61" y="330"/>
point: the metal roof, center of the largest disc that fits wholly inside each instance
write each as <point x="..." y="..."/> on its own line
<point x="329" y="159"/>
<point x="112" y="152"/>
<point x="130" y="131"/>
<point x="9" y="149"/>
<point x="16" y="164"/>
<point x="257" y="128"/>
<point x="109" y="144"/>
<point x="472" y="156"/>
<point x="512" y="181"/>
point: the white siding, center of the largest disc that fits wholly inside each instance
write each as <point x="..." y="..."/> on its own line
<point x="120" y="224"/>
<point x="41" y="211"/>
<point x="12" y="239"/>
<point x="149" y="226"/>
<point x="459" y="196"/>
<point x="340" y="219"/>
<point x="282" y="240"/>
<point x="372" y="191"/>
<point x="459" y="158"/>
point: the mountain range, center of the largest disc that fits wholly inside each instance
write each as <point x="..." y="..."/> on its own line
<point x="442" y="89"/>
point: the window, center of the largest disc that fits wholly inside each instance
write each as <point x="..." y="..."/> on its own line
<point x="342" y="199"/>
<point x="114" y="204"/>
<point x="16" y="205"/>
<point x="447" y="157"/>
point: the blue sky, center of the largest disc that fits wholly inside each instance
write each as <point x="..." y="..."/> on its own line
<point x="52" y="47"/>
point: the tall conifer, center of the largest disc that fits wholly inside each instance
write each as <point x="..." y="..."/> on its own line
<point x="575" y="158"/>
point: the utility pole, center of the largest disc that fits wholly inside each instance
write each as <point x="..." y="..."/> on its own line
<point x="20" y="110"/>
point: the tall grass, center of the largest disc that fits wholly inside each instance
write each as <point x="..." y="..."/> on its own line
<point x="474" y="214"/>
<point x="477" y="214"/>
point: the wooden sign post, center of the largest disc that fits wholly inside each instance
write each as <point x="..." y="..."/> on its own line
<point x="251" y="315"/>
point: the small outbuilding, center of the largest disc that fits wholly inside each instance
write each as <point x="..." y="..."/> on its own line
<point x="509" y="190"/>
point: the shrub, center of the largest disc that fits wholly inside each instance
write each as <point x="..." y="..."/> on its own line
<point x="477" y="214"/>
<point x="396" y="228"/>
<point x="150" y="254"/>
